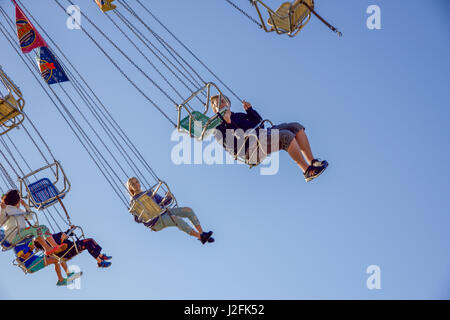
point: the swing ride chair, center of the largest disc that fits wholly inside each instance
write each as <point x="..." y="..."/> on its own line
<point x="106" y="5"/>
<point x="4" y="242"/>
<point x="44" y="193"/>
<point x="146" y="205"/>
<point x="199" y="124"/>
<point x="21" y="264"/>
<point x="11" y="105"/>
<point x="40" y="254"/>
<point x="257" y="153"/>
<point x="289" y="18"/>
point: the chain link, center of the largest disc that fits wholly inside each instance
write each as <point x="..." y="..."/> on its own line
<point x="244" y="13"/>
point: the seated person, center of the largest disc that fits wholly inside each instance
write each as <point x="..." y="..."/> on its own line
<point x="291" y="138"/>
<point x="79" y="246"/>
<point x="10" y="208"/>
<point x="172" y="217"/>
<point x="33" y="262"/>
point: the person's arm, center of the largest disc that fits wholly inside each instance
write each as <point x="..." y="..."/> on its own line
<point x="14" y="211"/>
<point x="68" y="233"/>
<point x="65" y="235"/>
<point x="251" y="113"/>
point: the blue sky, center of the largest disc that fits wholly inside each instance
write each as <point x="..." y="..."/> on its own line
<point x="375" y="105"/>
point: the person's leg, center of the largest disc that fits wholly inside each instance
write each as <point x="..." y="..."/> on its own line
<point x="300" y="136"/>
<point x="188" y="213"/>
<point x="35" y="232"/>
<point x="64" y="266"/>
<point x="173" y="221"/>
<point x="42" y="231"/>
<point x="91" y="246"/>
<point x="303" y="142"/>
<point x="295" y="152"/>
<point x="44" y="244"/>
<point x="49" y="261"/>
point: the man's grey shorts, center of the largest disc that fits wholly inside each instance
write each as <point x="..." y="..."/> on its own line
<point x="286" y="133"/>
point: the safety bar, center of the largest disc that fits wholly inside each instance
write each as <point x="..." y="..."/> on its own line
<point x="74" y="246"/>
<point x="246" y="158"/>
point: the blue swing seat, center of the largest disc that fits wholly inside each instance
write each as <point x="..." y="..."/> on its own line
<point x="42" y="191"/>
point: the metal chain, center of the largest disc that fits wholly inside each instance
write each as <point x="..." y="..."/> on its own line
<point x="244" y="13"/>
<point x="8" y="177"/>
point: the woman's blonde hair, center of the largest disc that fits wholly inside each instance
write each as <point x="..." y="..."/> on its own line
<point x="130" y="188"/>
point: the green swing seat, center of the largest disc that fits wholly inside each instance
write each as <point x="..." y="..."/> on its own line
<point x="197" y="122"/>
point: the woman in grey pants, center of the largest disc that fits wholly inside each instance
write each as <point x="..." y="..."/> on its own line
<point x="173" y="217"/>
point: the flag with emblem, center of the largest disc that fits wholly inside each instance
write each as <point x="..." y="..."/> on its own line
<point x="51" y="70"/>
<point x="29" y="37"/>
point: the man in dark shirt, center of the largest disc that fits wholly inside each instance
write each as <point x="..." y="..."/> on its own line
<point x="79" y="246"/>
<point x="291" y="137"/>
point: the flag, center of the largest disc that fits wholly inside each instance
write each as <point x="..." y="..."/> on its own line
<point x="51" y="70"/>
<point x="29" y="37"/>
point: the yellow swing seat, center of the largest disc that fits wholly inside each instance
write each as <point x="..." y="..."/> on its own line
<point x="106" y="5"/>
<point x="291" y="17"/>
<point x="146" y="207"/>
<point x="8" y="109"/>
<point x="11" y="104"/>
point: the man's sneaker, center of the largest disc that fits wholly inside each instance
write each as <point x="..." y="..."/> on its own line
<point x="205" y="236"/>
<point x="105" y="257"/>
<point x="313" y="172"/>
<point x="62" y="283"/>
<point x="104" y="264"/>
<point x="319" y="163"/>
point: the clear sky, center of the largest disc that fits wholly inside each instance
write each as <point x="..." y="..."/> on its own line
<point x="375" y="104"/>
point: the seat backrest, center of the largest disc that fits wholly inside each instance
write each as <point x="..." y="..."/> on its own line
<point x="8" y="108"/>
<point x="145" y="208"/>
<point x="199" y="118"/>
<point x="300" y="13"/>
<point x="42" y="191"/>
